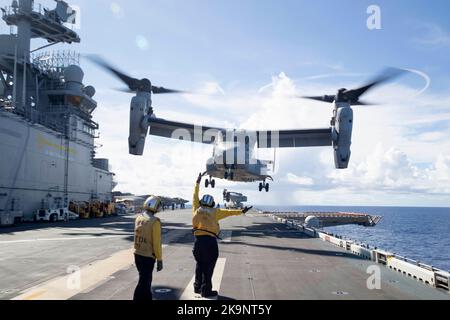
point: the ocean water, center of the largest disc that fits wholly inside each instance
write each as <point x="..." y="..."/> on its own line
<point x="422" y="234"/>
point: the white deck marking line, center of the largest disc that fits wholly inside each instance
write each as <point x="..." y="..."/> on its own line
<point x="65" y="239"/>
<point x="226" y="235"/>
<point x="188" y="293"/>
<point x="91" y="276"/>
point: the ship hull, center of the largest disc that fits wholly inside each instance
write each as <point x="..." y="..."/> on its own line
<point x="33" y="168"/>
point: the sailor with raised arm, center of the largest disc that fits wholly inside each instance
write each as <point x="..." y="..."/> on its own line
<point x="206" y="229"/>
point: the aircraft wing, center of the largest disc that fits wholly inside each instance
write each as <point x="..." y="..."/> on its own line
<point x="265" y="139"/>
<point x="295" y="138"/>
<point x="178" y="130"/>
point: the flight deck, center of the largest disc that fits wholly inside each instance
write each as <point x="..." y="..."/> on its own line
<point x="260" y="259"/>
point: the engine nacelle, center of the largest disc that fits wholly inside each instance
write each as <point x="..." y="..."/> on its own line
<point x="138" y="124"/>
<point x="342" y="137"/>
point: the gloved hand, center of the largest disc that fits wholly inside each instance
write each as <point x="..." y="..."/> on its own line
<point x="159" y="266"/>
<point x="247" y="209"/>
<point x="200" y="176"/>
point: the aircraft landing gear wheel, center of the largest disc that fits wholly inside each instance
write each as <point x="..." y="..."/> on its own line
<point x="267" y="187"/>
<point x="213" y="184"/>
<point x="231" y="176"/>
<point x="226" y="175"/>
<point x="260" y="187"/>
<point x="206" y="183"/>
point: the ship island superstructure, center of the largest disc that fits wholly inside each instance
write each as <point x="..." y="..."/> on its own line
<point x="47" y="133"/>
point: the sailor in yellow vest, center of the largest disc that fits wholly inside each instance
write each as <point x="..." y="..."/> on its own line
<point x="148" y="249"/>
<point x="206" y="229"/>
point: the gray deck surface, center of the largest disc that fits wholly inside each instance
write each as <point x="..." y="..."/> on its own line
<point x="264" y="260"/>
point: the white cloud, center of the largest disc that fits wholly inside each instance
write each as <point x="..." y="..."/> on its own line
<point x="434" y="35"/>
<point x="439" y="174"/>
<point x="393" y="171"/>
<point x="432" y="136"/>
<point x="280" y="110"/>
<point x="301" y="181"/>
<point x="211" y="88"/>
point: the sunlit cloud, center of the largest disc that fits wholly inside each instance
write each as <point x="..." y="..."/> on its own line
<point x="433" y="35"/>
<point x="211" y="88"/>
<point x="301" y="181"/>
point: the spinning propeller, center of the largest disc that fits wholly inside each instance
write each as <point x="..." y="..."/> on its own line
<point x="134" y="85"/>
<point x="352" y="96"/>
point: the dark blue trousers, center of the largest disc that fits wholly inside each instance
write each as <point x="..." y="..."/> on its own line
<point x="143" y="291"/>
<point x="206" y="253"/>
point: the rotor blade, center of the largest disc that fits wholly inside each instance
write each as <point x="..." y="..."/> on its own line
<point x="360" y="103"/>
<point x="132" y="83"/>
<point x="155" y="90"/>
<point x="388" y="74"/>
<point x="126" y="90"/>
<point x="326" y="98"/>
<point x="162" y="90"/>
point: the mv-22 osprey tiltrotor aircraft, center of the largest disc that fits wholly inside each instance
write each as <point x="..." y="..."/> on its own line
<point x="233" y="149"/>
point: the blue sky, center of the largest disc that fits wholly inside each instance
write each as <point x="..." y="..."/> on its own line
<point x="250" y="40"/>
<point x="238" y="47"/>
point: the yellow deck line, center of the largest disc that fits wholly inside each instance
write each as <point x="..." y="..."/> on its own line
<point x="92" y="274"/>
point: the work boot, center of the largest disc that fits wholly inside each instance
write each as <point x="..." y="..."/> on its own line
<point x="197" y="290"/>
<point x="210" y="294"/>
